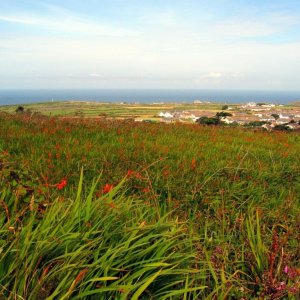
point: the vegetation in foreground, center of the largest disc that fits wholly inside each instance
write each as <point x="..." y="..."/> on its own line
<point x="124" y="210"/>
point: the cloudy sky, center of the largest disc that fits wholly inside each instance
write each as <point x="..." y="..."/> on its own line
<point x="150" y="44"/>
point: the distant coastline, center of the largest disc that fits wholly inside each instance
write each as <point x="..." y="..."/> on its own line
<point x="10" y="97"/>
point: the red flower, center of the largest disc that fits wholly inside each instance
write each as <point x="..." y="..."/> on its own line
<point x="193" y="164"/>
<point x="62" y="184"/>
<point x="130" y="173"/>
<point x="107" y="188"/>
<point x="146" y="190"/>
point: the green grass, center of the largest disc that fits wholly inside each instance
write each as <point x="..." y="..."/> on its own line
<point x="112" y="110"/>
<point x="194" y="213"/>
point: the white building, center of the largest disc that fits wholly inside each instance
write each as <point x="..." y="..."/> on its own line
<point x="165" y="115"/>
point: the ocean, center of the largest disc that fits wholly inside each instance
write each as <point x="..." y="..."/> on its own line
<point x="10" y="97"/>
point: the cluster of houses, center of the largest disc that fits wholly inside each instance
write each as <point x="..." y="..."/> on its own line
<point x="267" y="114"/>
<point x="169" y="117"/>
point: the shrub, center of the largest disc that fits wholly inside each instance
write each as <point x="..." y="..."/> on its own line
<point x="223" y="114"/>
<point x="257" y="123"/>
<point x="281" y="127"/>
<point x="20" y="109"/>
<point x="208" y="121"/>
<point x="275" y="116"/>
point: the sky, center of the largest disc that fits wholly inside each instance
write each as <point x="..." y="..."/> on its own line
<point x="151" y="44"/>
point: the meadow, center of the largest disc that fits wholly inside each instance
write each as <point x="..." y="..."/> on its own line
<point x="116" y="209"/>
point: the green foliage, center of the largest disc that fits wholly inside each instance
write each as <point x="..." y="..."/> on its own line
<point x="281" y="127"/>
<point x="20" y="109"/>
<point x="225" y="107"/>
<point x="275" y="116"/>
<point x="107" y="246"/>
<point x="257" y="123"/>
<point x="95" y="209"/>
<point x="223" y="114"/>
<point x="208" y="121"/>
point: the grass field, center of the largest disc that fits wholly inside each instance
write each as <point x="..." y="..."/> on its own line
<point x="109" y="110"/>
<point x="98" y="209"/>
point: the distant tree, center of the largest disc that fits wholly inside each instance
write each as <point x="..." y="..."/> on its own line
<point x="292" y="121"/>
<point x="257" y="123"/>
<point x="225" y="107"/>
<point x="223" y="114"/>
<point x="275" y="116"/>
<point x="20" y="109"/>
<point x="260" y="104"/>
<point x="282" y="127"/>
<point x="208" y="121"/>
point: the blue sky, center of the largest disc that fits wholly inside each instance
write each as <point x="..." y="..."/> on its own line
<point x="150" y="44"/>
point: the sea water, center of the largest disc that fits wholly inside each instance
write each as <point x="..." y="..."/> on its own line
<point x="9" y="97"/>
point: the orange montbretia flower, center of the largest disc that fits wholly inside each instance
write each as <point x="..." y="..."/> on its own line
<point x="62" y="184"/>
<point x="130" y="173"/>
<point x="107" y="188"/>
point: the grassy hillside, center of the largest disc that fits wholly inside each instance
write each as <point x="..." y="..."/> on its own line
<point x="95" y="209"/>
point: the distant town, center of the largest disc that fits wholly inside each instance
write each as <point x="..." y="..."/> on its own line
<point x="268" y="116"/>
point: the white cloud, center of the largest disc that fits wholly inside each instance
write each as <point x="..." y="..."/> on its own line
<point x="170" y="54"/>
<point x="20" y="19"/>
<point x="68" y="23"/>
<point x="213" y="75"/>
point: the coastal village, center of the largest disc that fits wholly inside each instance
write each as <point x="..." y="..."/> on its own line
<point x="268" y="116"/>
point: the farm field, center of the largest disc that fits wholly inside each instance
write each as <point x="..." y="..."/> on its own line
<point x="109" y="110"/>
<point x="116" y="209"/>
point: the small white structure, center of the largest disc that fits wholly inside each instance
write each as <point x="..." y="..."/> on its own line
<point x="282" y="121"/>
<point x="293" y="126"/>
<point x="226" y="120"/>
<point x="165" y="115"/>
<point x="268" y="105"/>
<point x="267" y="127"/>
<point x="186" y="115"/>
<point x="284" y="116"/>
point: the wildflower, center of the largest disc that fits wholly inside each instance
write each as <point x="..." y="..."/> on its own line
<point x="286" y="269"/>
<point x="62" y="184"/>
<point x="130" y="173"/>
<point x="138" y="176"/>
<point x="193" y="164"/>
<point x="281" y="286"/>
<point x="166" y="173"/>
<point x="107" y="188"/>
